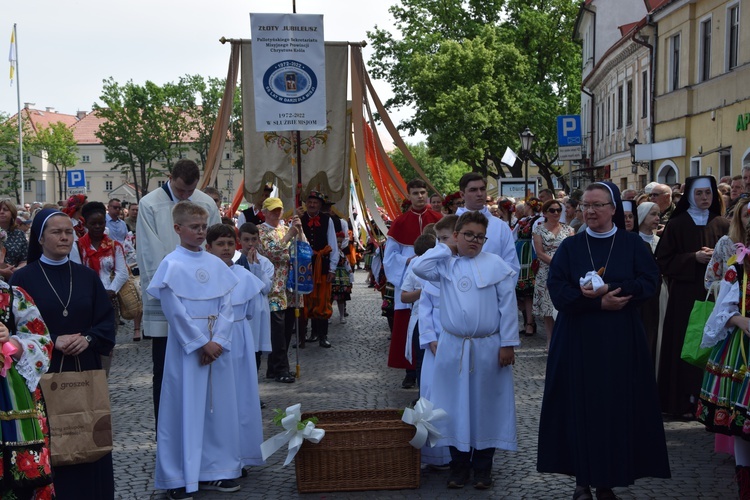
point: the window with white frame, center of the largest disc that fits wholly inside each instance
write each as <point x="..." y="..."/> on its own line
<point x="88" y="186"/>
<point x="704" y="61"/>
<point x="733" y="35"/>
<point x="695" y="166"/>
<point x="644" y="94"/>
<point x="27" y="185"/>
<point x="230" y="183"/>
<point x="725" y="164"/>
<point x="160" y="183"/>
<point x="85" y="159"/>
<point x="674" y="62"/>
<point x="620" y="105"/>
<point x="609" y="109"/>
<point x="629" y="103"/>
<point x="108" y="185"/>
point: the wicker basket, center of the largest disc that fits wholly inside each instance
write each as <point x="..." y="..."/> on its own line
<point x="362" y="450"/>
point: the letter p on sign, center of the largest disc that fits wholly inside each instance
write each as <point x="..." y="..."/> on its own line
<point x="569" y="130"/>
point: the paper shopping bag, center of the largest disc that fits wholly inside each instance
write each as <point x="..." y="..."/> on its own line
<point x="79" y="416"/>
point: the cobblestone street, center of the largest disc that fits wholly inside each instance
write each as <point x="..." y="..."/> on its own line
<point x="353" y="375"/>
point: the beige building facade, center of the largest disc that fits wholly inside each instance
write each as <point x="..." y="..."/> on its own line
<point x="616" y="95"/>
<point x="702" y="95"/>
<point x="103" y="182"/>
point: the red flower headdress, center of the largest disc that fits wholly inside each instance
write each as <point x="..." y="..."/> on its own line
<point x="451" y="198"/>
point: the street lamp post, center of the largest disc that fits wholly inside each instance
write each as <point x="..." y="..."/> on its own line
<point x="527" y="140"/>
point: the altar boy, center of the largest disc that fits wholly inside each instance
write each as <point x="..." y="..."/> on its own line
<point x="246" y="299"/>
<point x="473" y="378"/>
<point x="198" y="429"/>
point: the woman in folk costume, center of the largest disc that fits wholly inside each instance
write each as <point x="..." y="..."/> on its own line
<point x="101" y="253"/>
<point x="683" y="253"/>
<point x="80" y="318"/>
<point x="600" y="419"/>
<point x="715" y="271"/>
<point x="26" y="471"/>
<point x="529" y="263"/>
<point x="725" y="393"/>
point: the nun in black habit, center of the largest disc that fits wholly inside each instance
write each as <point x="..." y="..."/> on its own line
<point x="600" y="419"/>
<point x="80" y="318"/>
<point x="683" y="252"/>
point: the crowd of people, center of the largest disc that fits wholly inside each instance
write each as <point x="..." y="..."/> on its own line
<point x="610" y="276"/>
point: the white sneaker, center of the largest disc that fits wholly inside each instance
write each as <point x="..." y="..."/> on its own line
<point x="342" y="320"/>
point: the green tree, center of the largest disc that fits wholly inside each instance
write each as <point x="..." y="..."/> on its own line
<point x="477" y="72"/>
<point x="143" y="126"/>
<point x="10" y="166"/>
<point x="443" y="175"/>
<point x="57" y="145"/>
<point x="542" y="31"/>
<point x="203" y="110"/>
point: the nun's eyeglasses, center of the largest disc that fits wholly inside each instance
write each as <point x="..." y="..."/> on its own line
<point x="595" y="206"/>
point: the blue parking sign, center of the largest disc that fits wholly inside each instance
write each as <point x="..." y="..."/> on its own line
<point x="569" y="130"/>
<point x="76" y="178"/>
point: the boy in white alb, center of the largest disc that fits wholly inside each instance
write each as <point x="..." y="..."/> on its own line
<point x="262" y="268"/>
<point x="411" y="289"/>
<point x="198" y="427"/>
<point x="221" y="242"/>
<point x="429" y="333"/>
<point x="473" y="378"/>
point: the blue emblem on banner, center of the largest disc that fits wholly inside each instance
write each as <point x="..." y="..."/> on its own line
<point x="290" y="82"/>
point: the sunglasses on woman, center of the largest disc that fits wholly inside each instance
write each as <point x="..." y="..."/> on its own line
<point x="554" y="210"/>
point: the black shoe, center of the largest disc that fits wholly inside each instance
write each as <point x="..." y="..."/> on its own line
<point x="225" y="485"/>
<point x="262" y="404"/>
<point x="324" y="343"/>
<point x="285" y="379"/>
<point x="483" y="479"/>
<point x="459" y="477"/>
<point x="312" y="338"/>
<point x="409" y="382"/>
<point x="178" y="494"/>
<point x="245" y="471"/>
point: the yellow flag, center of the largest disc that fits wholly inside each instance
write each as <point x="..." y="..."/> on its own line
<point x="12" y="58"/>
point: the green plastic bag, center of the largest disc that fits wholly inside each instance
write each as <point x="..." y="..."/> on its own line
<point x="691" y="347"/>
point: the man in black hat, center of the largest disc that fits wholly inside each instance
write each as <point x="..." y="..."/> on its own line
<point x="321" y="234"/>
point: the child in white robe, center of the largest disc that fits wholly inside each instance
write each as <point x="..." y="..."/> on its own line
<point x="198" y="441"/>
<point x="429" y="333"/>
<point x="473" y="378"/>
<point x="411" y="289"/>
<point x="263" y="269"/>
<point x="221" y="242"/>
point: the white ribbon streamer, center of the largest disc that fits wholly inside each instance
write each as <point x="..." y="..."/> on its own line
<point x="422" y="416"/>
<point x="295" y="437"/>
<point x="593" y="278"/>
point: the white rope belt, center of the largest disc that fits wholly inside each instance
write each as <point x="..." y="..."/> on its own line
<point x="471" y="348"/>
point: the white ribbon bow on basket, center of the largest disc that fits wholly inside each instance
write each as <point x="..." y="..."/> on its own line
<point x="422" y="416"/>
<point x="292" y="435"/>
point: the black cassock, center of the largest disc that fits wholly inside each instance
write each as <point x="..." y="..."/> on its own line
<point x="675" y="254"/>
<point x="90" y="313"/>
<point x="600" y="417"/>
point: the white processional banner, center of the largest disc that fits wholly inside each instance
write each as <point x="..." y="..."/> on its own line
<point x="288" y="72"/>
